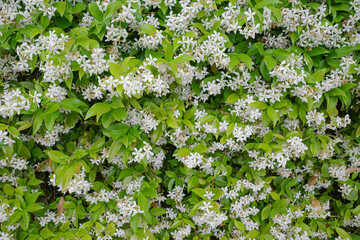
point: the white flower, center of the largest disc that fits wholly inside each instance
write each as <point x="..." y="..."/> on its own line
<point x="176" y="113"/>
<point x="209" y="194"/>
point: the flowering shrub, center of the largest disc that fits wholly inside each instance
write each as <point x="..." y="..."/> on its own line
<point x="149" y="119"/>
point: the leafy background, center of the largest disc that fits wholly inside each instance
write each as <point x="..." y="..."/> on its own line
<point x="179" y="120"/>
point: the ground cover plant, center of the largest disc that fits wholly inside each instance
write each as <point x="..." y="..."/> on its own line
<point x="166" y="119"/>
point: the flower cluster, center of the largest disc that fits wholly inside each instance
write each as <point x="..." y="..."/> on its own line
<point x="179" y="119"/>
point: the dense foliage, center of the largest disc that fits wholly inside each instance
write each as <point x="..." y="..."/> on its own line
<point x="165" y="119"/>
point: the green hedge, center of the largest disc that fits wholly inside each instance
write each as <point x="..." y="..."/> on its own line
<point x="165" y="119"/>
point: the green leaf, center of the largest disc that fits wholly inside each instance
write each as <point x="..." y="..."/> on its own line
<point x="24" y="152"/>
<point x="200" y="27"/>
<point x="315" y="147"/>
<point x="317" y="51"/>
<point x="183" y="58"/>
<point x="83" y="41"/>
<point x="353" y="195"/>
<point x="347" y="86"/>
<point x="8" y="151"/>
<point x="33" y="181"/>
<point x="32" y="197"/>
<point x="98" y="144"/>
<point x="50" y="120"/>
<point x="60" y="7"/>
<point x="93" y="43"/>
<point x="115" y="69"/>
<point x="174" y="68"/>
<point x="183" y="152"/>
<point x="176" y="224"/>
<point x="342" y="233"/>
<point x="260" y="47"/>
<point x="13" y="131"/>
<point x="157" y="133"/>
<point x="277" y="13"/>
<point x="57" y="156"/>
<point x="336" y="92"/>
<point x="78" y="8"/>
<point x="259" y="105"/>
<point x="265" y="213"/>
<point x="199" y="191"/>
<point x="274" y="195"/>
<point x="143" y="202"/>
<point x="200" y="148"/>
<point x="70" y="235"/>
<point x="148" y="29"/>
<point x="265" y="3"/>
<point x="111" y="228"/>
<point x="73" y="104"/>
<point x="3" y="126"/>
<point x="8" y="189"/>
<point x="234" y="60"/>
<point x="356" y="210"/>
<point x="319" y="75"/>
<point x="95" y="11"/>
<point x="170" y="174"/>
<point x="135" y="103"/>
<point x="116" y="103"/>
<point x="280" y="104"/>
<point x="343" y="51"/>
<point x="157" y="211"/>
<point x="269" y="137"/>
<point x="190" y="113"/>
<point x="215" y="26"/>
<point x="309" y="61"/>
<point x="150" y="192"/>
<point x="46" y="233"/>
<point x="37" y="123"/>
<point x="172" y="123"/>
<point x="281" y="54"/>
<point x="252" y="234"/>
<point x="134" y="222"/>
<point x="302" y="114"/>
<point x="270" y="62"/>
<point x="324" y="140"/>
<point x="168" y="50"/>
<point x="246" y="59"/>
<point x="25" y="220"/>
<point x="357" y="133"/>
<point x="107" y="119"/>
<point x="67" y="176"/>
<point x="127" y="63"/>
<point x="111" y="8"/>
<point x="15" y="216"/>
<point x="45" y="21"/>
<point x="272" y="115"/>
<point x="33" y="207"/>
<point x="193" y="181"/>
<point x="239" y="225"/>
<point x="264" y="70"/>
<point x="98" y="109"/>
<point x="207" y="118"/>
<point x="116" y="130"/>
<point x="280" y="203"/>
<point x="196" y="207"/>
<point x="218" y="192"/>
<point x="97" y="206"/>
<point x="232" y="98"/>
<point x="78" y="154"/>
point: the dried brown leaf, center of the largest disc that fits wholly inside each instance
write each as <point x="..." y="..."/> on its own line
<point x="312" y="181"/>
<point x="60" y="207"/>
<point x="316" y="203"/>
<point x="352" y="170"/>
